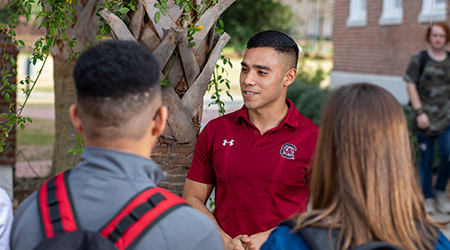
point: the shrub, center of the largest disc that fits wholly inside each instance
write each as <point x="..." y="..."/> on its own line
<point x="308" y="98"/>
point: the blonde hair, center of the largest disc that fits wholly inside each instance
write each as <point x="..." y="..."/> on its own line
<point x="363" y="181"/>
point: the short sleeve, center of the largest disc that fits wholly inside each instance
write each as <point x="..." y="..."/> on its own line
<point x="202" y="169"/>
<point x="412" y="73"/>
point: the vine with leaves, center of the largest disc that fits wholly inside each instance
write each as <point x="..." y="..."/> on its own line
<point x="56" y="16"/>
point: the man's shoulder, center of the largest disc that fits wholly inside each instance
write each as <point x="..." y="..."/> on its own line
<point x="219" y="122"/>
<point x="307" y="125"/>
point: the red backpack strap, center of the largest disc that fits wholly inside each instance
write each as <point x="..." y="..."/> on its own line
<point x="139" y="215"/>
<point x="55" y="207"/>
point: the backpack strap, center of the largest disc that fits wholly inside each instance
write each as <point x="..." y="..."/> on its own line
<point x="140" y="215"/>
<point x="55" y="206"/>
<point x="423" y="57"/>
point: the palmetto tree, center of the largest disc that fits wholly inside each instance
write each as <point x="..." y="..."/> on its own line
<point x="187" y="61"/>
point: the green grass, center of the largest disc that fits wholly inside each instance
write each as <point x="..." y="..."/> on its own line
<point x="39" y="132"/>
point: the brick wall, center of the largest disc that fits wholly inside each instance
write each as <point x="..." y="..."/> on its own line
<point x="7" y="158"/>
<point x="376" y="49"/>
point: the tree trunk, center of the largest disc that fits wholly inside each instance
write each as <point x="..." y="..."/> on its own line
<point x="85" y="30"/>
<point x="190" y="69"/>
<point x="64" y="96"/>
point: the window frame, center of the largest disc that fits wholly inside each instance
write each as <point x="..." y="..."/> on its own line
<point x="391" y="14"/>
<point x="357" y="16"/>
<point x="438" y="13"/>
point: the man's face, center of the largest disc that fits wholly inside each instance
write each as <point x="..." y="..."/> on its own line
<point x="437" y="37"/>
<point x="262" y="74"/>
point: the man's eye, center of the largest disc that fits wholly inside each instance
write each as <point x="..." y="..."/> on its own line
<point x="243" y="69"/>
<point x="262" y="72"/>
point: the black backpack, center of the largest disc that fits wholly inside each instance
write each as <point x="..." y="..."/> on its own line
<point x="318" y="239"/>
<point x="123" y="231"/>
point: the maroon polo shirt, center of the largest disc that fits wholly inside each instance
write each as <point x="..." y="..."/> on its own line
<point x="260" y="179"/>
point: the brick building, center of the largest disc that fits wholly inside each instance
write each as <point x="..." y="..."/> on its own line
<point x="374" y="40"/>
<point x="8" y="157"/>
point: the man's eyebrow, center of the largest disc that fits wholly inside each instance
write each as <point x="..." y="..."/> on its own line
<point x="257" y="66"/>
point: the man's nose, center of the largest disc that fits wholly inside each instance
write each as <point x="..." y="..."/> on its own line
<point x="249" y="79"/>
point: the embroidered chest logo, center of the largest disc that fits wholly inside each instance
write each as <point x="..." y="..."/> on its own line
<point x="288" y="150"/>
<point x="225" y="142"/>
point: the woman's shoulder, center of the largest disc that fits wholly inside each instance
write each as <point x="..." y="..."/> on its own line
<point x="284" y="238"/>
<point x="442" y="242"/>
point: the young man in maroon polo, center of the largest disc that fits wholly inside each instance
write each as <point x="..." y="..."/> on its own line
<point x="258" y="157"/>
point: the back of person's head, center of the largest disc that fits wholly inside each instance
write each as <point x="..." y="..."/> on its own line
<point x="443" y="25"/>
<point x="278" y="41"/>
<point x="118" y="90"/>
<point x="363" y="181"/>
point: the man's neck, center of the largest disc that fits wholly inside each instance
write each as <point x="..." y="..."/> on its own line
<point x="268" y="118"/>
<point x="143" y="148"/>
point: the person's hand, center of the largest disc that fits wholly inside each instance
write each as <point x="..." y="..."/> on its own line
<point x="239" y="242"/>
<point x="422" y="121"/>
<point x="257" y="240"/>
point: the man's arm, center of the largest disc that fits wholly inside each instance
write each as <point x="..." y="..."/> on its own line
<point x="196" y="195"/>
<point x="422" y="119"/>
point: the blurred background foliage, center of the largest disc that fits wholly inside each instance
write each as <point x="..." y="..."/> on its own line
<point x="246" y="17"/>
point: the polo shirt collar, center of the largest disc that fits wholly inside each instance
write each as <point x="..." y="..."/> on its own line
<point x="293" y="118"/>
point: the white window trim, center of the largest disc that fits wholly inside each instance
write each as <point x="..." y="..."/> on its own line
<point x="356" y="17"/>
<point x="439" y="12"/>
<point x="391" y="15"/>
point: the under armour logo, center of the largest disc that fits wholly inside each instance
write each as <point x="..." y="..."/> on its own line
<point x="225" y="142"/>
<point x="288" y="150"/>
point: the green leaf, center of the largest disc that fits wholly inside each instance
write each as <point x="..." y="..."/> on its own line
<point x="163" y="11"/>
<point x="124" y="10"/>
<point x="157" y="5"/>
<point x="7" y="97"/>
<point x="187" y="8"/>
<point x="192" y="44"/>
<point x="21" y="42"/>
<point x="22" y="126"/>
<point x="157" y="16"/>
<point x="29" y="119"/>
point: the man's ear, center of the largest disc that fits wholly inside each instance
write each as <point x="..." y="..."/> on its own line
<point x="289" y="77"/>
<point x="160" y="121"/>
<point x="75" y="118"/>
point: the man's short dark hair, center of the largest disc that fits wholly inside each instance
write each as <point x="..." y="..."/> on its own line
<point x="116" y="81"/>
<point x="277" y="40"/>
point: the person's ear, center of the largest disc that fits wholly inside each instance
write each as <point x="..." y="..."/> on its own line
<point x="75" y="118"/>
<point x="160" y="121"/>
<point x="289" y="77"/>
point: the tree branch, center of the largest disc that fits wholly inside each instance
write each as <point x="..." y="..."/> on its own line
<point x="165" y="22"/>
<point x="179" y="121"/>
<point x="166" y="47"/>
<point x="190" y="63"/>
<point x="208" y="19"/>
<point x="194" y="96"/>
<point x="119" y="29"/>
<point x="137" y="20"/>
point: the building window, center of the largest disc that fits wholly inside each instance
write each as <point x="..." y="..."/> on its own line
<point x="433" y="10"/>
<point x="358" y="13"/>
<point x="392" y="12"/>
